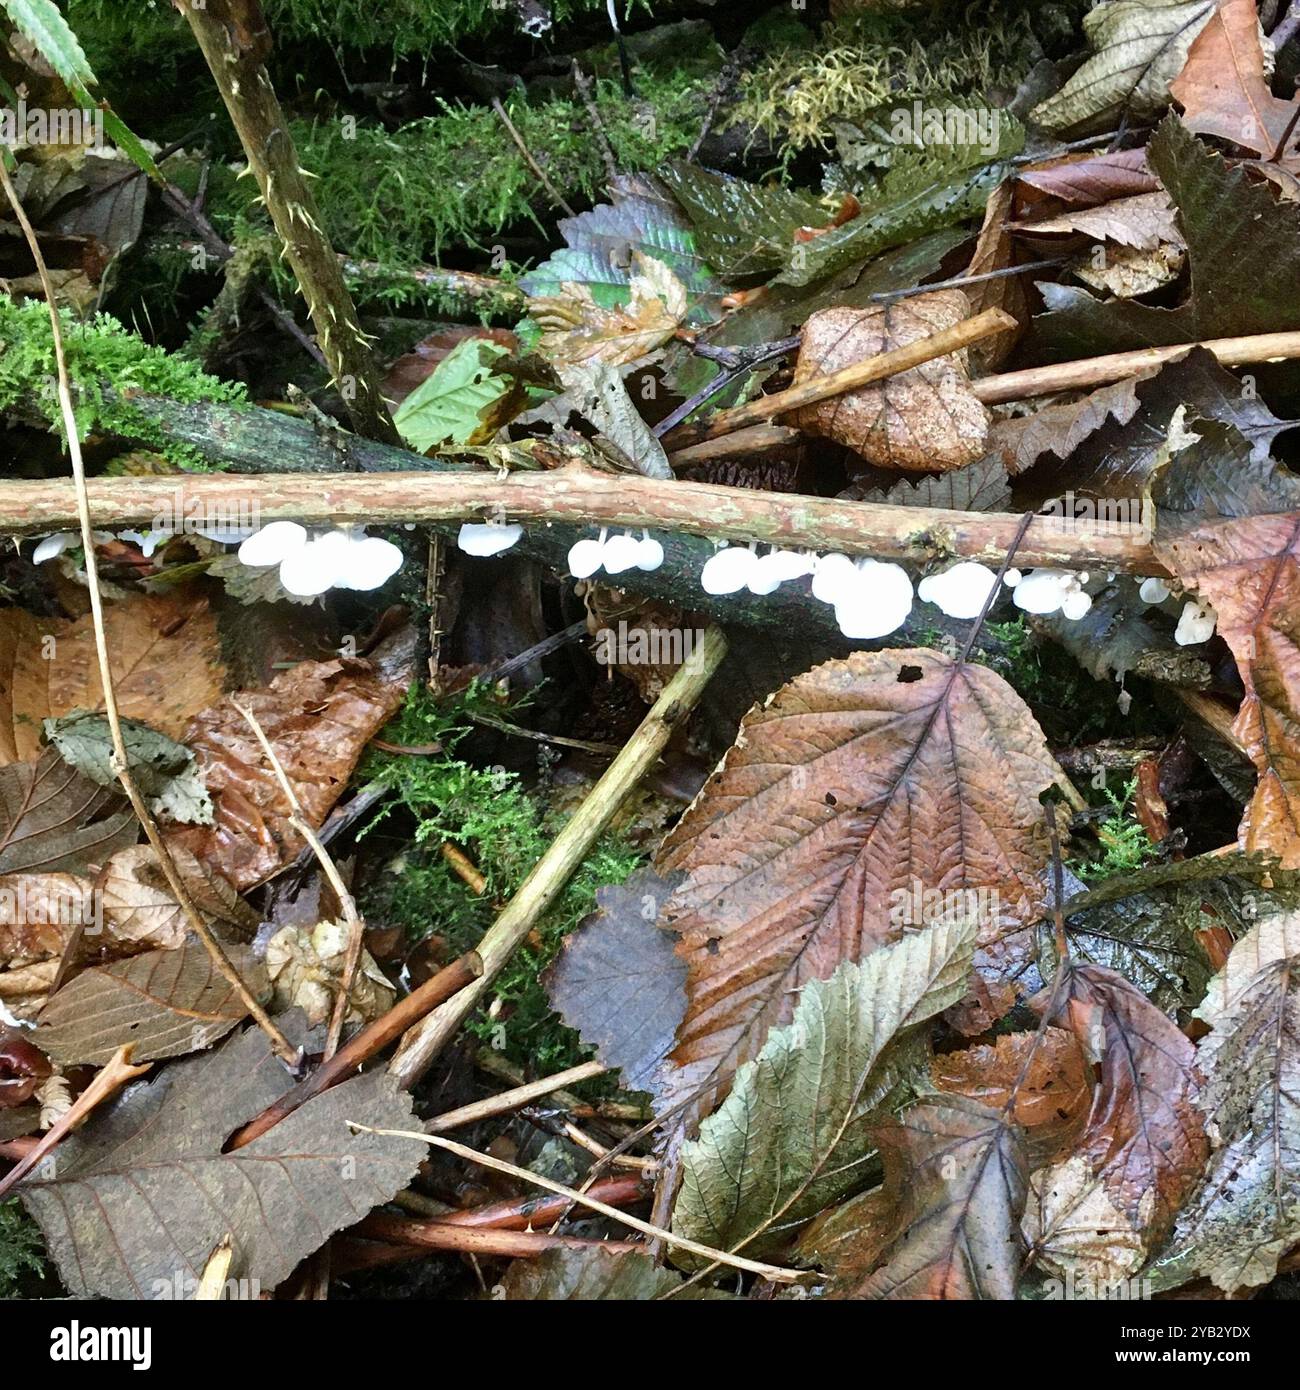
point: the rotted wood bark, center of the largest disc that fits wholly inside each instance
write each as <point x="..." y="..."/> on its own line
<point x="235" y="42"/>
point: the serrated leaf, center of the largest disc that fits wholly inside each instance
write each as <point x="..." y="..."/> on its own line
<point x="163" y="1003"/>
<point x="460" y="402"/>
<point x="41" y="22"/>
<point x="141" y="911"/>
<point x="856" y="789"/>
<point x="1247" y="1212"/>
<point x="597" y="392"/>
<point x="51" y="817"/>
<point x="618" y="980"/>
<point x="596" y="1275"/>
<point x="165" y="771"/>
<point x="982" y="486"/>
<point x="956" y="1170"/>
<point x="142" y="1194"/>
<point x="1139" y="48"/>
<point x="792" y="1136"/>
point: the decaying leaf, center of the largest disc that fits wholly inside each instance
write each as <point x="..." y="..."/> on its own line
<point x="165" y="771"/>
<point x="1101" y="1212"/>
<point x="462" y="401"/>
<point x="596" y="1275"/>
<point x="1048" y="1077"/>
<point x="1223" y="88"/>
<point x="956" y="1170"/>
<point x="1212" y="536"/>
<point x="39" y="917"/>
<point x="1247" y="1213"/>
<point x="979" y="487"/>
<point x="923" y="419"/>
<point x="141" y="912"/>
<point x="1139" y="47"/>
<point x="51" y="817"/>
<point x="305" y="966"/>
<point x="142" y="1194"/>
<point x="577" y="329"/>
<point x="619" y="981"/>
<point x="866" y="796"/>
<point x="318" y="718"/>
<point x="597" y="392"/>
<point x="162" y="1003"/>
<point x="793" y="1135"/>
<point x="1143" y="221"/>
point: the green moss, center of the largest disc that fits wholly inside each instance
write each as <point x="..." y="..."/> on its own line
<point x="98" y="351"/>
<point x="1126" y="844"/>
<point x="486" y="812"/>
<point x="21" y="1249"/>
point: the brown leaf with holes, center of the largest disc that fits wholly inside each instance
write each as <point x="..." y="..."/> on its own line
<point x="163" y="651"/>
<point x="866" y="796"/>
<point x="1144" y="221"/>
<point x="1052" y="1099"/>
<point x="318" y="717"/>
<point x="1102" y="1212"/>
<point x="1223" y="88"/>
<point x="924" y="419"/>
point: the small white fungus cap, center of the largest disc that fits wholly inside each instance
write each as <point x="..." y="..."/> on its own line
<point x="586" y="557"/>
<point x="54" y="545"/>
<point x="832" y="575"/>
<point x="1196" y="624"/>
<point x="621" y="553"/>
<point x="368" y="562"/>
<point x="148" y="541"/>
<point x="487" y="538"/>
<point x="650" y="554"/>
<point x="1012" y="578"/>
<point x="1153" y="591"/>
<point x="1076" y="604"/>
<point x="227" y="534"/>
<point x="728" y="570"/>
<point x="876" y="602"/>
<point x="273" y="543"/>
<point x="1044" y="591"/>
<point x="960" y="592"/>
<point x="316" y="566"/>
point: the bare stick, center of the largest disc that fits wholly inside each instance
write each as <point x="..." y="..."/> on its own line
<point x="356" y="927"/>
<point x="553" y="870"/>
<point x="521" y="1213"/>
<point x="233" y="38"/>
<point x="421" y="1236"/>
<point x="554" y="193"/>
<point x="119" y="761"/>
<point x="512" y="1100"/>
<point x="113" y="1075"/>
<point x="583" y="497"/>
<point x="359" y="1048"/>
<point x="774" y="1272"/>
<point x="850" y="378"/>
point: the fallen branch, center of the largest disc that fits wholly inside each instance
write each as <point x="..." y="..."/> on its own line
<point x="413" y="1238"/>
<point x="506" y="1101"/>
<point x="581" y="497"/>
<point x="553" y="870"/>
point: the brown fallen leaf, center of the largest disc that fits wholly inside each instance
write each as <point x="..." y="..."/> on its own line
<point x="1059" y="429"/>
<point x="318" y="717"/>
<point x="995" y="249"/>
<point x="39" y="916"/>
<point x="162" y="1003"/>
<point x="1085" y="180"/>
<point x="1100" y="1213"/>
<point x="1144" y="221"/>
<point x="957" y="1171"/>
<point x="1223" y="88"/>
<point x="1052" y="1100"/>
<point x="140" y="911"/>
<point x="864" y="797"/>
<point x="164" y="654"/>
<point x="925" y="419"/>
<point x="1127" y="272"/>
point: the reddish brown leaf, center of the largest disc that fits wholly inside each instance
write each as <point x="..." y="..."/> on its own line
<point x="864" y="795"/>
<point x="1085" y="180"/>
<point x="924" y="419"/>
<point x="996" y="250"/>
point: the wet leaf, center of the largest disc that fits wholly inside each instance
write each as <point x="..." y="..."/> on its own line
<point x="619" y="981"/>
<point x="462" y="401"/>
<point x="39" y="917"/>
<point x="162" y="1003"/>
<point x="1088" y="179"/>
<point x="51" y="817"/>
<point x="1144" y="221"/>
<point x="598" y="393"/>
<point x="142" y="1194"/>
<point x="141" y="912"/>
<point x="596" y="1275"/>
<point x="859" y="787"/>
<point x="1139" y="48"/>
<point x="792" y="1136"/>
<point x="923" y="419"/>
<point x="306" y="965"/>
<point x="979" y="487"/>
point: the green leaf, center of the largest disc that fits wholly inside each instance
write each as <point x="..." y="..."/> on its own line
<point x="165" y="771"/>
<point x="1247" y="1212"/>
<point x="1139" y="48"/>
<point x="457" y="403"/>
<point x="791" y="1138"/>
<point x="42" y="24"/>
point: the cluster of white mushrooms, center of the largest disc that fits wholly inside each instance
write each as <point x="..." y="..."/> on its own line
<point x="313" y="562"/>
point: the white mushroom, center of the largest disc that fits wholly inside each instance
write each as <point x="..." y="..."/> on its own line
<point x="148" y="541"/>
<point x="1044" y="591"/>
<point x="487" y="538"/>
<point x="728" y="570"/>
<point x="227" y="533"/>
<point x="621" y="553"/>
<point x="876" y="602"/>
<point x="586" y="557"/>
<point x="1012" y="578"/>
<point x="273" y="543"/>
<point x="54" y="545"/>
<point x="832" y="574"/>
<point x="650" y="554"/>
<point x="1153" y="591"/>
<point x="314" y="567"/>
<point x="368" y="562"/>
<point x="1076" y="604"/>
<point x="960" y="592"/>
<point x="1196" y="624"/>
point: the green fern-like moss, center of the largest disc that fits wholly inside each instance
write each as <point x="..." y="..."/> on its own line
<point x="21" y="1249"/>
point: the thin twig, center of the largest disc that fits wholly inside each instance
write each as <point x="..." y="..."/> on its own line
<point x="776" y="1273"/>
<point x="585" y="90"/>
<point x="356" y="927"/>
<point x="515" y="1099"/>
<point x="120" y="762"/>
<point x="555" y="195"/>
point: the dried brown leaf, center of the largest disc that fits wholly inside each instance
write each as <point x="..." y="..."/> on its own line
<point x="141" y="912"/>
<point x="1144" y="221"/>
<point x="924" y="419"/>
